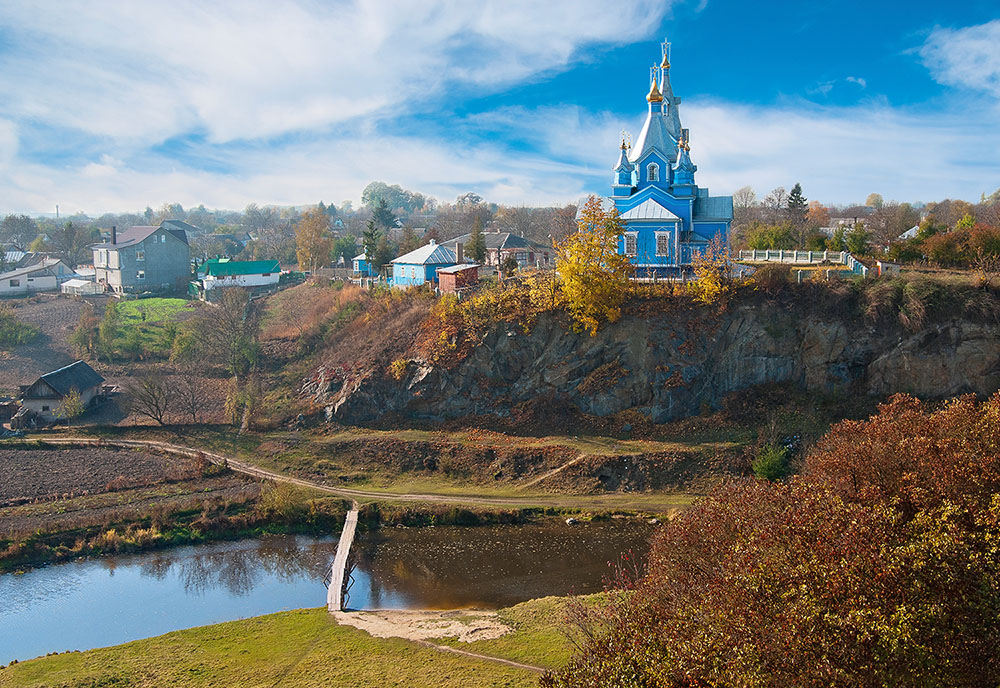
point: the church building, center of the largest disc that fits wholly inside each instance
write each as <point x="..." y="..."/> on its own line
<point x="668" y="218"/>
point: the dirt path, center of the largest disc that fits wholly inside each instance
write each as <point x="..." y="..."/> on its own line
<point x="669" y="502"/>
<point x="467" y="626"/>
<point x="553" y="472"/>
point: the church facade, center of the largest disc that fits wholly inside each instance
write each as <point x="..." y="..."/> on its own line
<point x="668" y="218"/>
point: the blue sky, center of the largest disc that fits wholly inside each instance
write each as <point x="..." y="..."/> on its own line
<point x="112" y="106"/>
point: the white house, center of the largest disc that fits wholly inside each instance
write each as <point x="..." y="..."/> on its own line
<point x="223" y="272"/>
<point x="46" y="275"/>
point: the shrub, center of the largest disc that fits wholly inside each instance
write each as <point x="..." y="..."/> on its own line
<point x="771" y="463"/>
<point x="13" y="331"/>
<point x="397" y="369"/>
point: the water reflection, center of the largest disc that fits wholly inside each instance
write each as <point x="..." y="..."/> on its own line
<point x="93" y="603"/>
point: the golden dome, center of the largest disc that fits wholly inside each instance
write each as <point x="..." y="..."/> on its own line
<point x="654" y="93"/>
<point x="666" y="62"/>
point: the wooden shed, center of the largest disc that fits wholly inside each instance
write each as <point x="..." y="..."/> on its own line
<point x="456" y="278"/>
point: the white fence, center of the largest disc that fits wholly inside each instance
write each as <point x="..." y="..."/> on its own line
<point x="805" y="258"/>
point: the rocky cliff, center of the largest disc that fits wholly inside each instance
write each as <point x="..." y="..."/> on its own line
<point x="670" y="366"/>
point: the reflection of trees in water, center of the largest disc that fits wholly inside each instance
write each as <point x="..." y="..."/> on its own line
<point x="239" y="568"/>
<point x="447" y="567"/>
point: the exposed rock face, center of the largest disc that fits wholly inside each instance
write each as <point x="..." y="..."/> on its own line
<point x="668" y="367"/>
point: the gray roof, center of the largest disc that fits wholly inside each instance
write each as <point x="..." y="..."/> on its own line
<point x="650" y="209"/>
<point x="458" y="268"/>
<point x="138" y="234"/>
<point x="713" y="207"/>
<point x="76" y="375"/>
<point x="498" y="240"/>
<point x="429" y="254"/>
<point x="46" y="265"/>
<point x="182" y="225"/>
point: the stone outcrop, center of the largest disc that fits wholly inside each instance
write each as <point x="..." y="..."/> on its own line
<point x="671" y="366"/>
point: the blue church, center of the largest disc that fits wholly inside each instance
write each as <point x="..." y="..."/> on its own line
<point x="668" y="218"/>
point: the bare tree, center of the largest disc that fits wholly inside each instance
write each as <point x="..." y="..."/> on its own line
<point x="227" y="331"/>
<point x="191" y="395"/>
<point x="152" y="395"/>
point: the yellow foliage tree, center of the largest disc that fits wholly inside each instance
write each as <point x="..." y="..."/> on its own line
<point x="714" y="279"/>
<point x="594" y="276"/>
<point x="313" y="242"/>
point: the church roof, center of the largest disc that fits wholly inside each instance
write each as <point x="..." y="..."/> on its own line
<point x="655" y="134"/>
<point x="649" y="210"/>
<point x="430" y="254"/>
<point x="713" y="207"/>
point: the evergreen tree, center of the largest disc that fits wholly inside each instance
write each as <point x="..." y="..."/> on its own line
<point x="383" y="215"/>
<point x="476" y="248"/>
<point x="797" y="205"/>
<point x="369" y="240"/>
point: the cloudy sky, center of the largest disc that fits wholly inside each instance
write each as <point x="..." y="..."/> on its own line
<point x="115" y="105"/>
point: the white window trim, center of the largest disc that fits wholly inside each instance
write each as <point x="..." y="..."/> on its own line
<point x="655" y="169"/>
<point x="634" y="235"/>
<point x="140" y="274"/>
<point x="657" y="235"/>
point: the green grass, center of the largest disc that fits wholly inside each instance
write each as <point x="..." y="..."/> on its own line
<point x="151" y="310"/>
<point x="305" y="648"/>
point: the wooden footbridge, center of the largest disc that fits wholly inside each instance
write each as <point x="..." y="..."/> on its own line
<point x="337" y="591"/>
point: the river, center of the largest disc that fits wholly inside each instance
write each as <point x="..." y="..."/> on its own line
<point x="103" y="601"/>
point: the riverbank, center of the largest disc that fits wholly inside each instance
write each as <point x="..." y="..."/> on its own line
<point x="309" y="647"/>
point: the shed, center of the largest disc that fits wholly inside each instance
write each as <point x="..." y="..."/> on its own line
<point x="46" y="394"/>
<point x="458" y="278"/>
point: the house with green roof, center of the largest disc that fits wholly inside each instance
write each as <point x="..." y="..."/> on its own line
<point x="219" y="273"/>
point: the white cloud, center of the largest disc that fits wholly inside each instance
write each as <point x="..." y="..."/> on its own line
<point x="858" y="80"/>
<point x="8" y="143"/>
<point x="257" y="69"/>
<point x="967" y="57"/>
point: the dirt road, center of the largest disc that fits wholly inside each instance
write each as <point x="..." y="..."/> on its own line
<point x="645" y="502"/>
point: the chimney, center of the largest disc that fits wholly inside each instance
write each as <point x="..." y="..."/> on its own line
<point x="114" y="235"/>
<point x="459" y="258"/>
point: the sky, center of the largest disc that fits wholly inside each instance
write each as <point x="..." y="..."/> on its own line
<point x="111" y="105"/>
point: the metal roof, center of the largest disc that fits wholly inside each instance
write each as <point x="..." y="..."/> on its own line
<point x="46" y="264"/>
<point x="655" y="134"/>
<point x="650" y="209"/>
<point x="713" y="207"/>
<point x="230" y="268"/>
<point x="498" y="240"/>
<point x="458" y="268"/>
<point x="76" y="375"/>
<point x="430" y="254"/>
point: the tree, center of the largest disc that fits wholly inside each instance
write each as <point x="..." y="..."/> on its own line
<point x="385" y="251"/>
<point x="345" y="247"/>
<point x="476" y="248"/>
<point x="857" y="240"/>
<point x="776" y="202"/>
<point x="382" y="215"/>
<point x="874" y="200"/>
<point x="760" y="236"/>
<point x="227" y="331"/>
<point x="818" y="215"/>
<point x="152" y="395"/>
<point x="468" y="199"/>
<point x="508" y="267"/>
<point x="71" y="243"/>
<point x="408" y="241"/>
<point x="71" y="405"/>
<point x="313" y="241"/>
<point x="108" y="330"/>
<point x="394" y="196"/>
<point x="191" y="395"/>
<point x="595" y="277"/>
<point x="797" y="206"/>
<point x="18" y="229"/>
<point x="369" y="239"/>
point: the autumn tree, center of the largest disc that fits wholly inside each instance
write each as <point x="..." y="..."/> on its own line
<point x="313" y="241"/>
<point x="227" y="332"/>
<point x="594" y="276"/>
<point x="71" y="405"/>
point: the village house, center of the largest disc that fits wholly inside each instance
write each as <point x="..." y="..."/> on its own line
<point x="420" y="266"/>
<point x="668" y="218"/>
<point x="219" y="273"/>
<point x="142" y="259"/>
<point x="500" y="245"/>
<point x="361" y="266"/>
<point x="46" y="395"/>
<point x="45" y="275"/>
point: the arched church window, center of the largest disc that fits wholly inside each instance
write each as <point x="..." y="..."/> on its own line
<point x="653" y="172"/>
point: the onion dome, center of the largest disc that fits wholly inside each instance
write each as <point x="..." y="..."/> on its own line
<point x="654" y="93"/>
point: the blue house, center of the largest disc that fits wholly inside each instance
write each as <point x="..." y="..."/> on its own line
<point x="420" y="265"/>
<point x="362" y="266"/>
<point x="668" y="218"/>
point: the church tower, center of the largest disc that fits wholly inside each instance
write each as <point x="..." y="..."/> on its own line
<point x="668" y="218"/>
